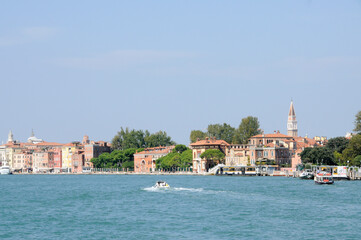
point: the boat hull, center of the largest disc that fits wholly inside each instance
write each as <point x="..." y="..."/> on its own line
<point x="307" y="177"/>
<point x="321" y="183"/>
<point x="5" y="172"/>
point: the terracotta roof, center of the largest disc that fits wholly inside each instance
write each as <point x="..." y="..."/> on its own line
<point x="156" y="150"/>
<point x="272" y="135"/>
<point x="270" y="145"/>
<point x="308" y="140"/>
<point x="49" y="144"/>
<point x="209" y="142"/>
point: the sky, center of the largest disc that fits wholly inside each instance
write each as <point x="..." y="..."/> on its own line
<point x="70" y="68"/>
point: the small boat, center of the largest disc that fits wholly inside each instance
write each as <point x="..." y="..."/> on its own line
<point x="161" y="184"/>
<point x="307" y="174"/>
<point x="324" y="178"/>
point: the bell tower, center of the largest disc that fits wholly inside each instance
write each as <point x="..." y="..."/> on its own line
<point x="10" y="137"/>
<point x="292" y="122"/>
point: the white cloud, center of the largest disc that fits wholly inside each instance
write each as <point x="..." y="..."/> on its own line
<point x="27" y="35"/>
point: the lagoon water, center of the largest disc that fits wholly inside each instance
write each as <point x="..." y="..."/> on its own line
<point x="196" y="207"/>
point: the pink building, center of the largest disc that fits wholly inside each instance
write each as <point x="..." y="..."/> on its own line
<point x="43" y="161"/>
<point x="57" y="154"/>
<point x="78" y="160"/>
<point x="145" y="161"/>
<point x="93" y="150"/>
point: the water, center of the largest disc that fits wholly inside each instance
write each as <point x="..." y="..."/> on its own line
<point x="196" y="207"/>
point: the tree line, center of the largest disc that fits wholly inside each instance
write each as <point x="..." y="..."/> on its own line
<point x="181" y="156"/>
<point x="116" y="159"/>
<point x="338" y="151"/>
<point x="126" y="139"/>
<point x="248" y="127"/>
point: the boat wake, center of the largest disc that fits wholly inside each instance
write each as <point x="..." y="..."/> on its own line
<point x="182" y="189"/>
<point x="174" y="189"/>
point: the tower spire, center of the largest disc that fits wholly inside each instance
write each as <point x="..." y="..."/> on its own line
<point x="292" y="122"/>
<point x="292" y="110"/>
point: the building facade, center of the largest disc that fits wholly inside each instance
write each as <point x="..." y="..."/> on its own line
<point x="145" y="161"/>
<point x="203" y="165"/>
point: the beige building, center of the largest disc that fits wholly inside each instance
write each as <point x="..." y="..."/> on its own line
<point x="237" y="155"/>
<point x="202" y="165"/>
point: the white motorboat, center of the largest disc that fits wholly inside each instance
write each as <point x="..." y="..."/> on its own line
<point x="161" y="184"/>
<point x="5" y="169"/>
<point x="307" y="174"/>
<point x="323" y="178"/>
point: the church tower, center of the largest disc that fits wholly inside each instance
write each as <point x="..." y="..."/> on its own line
<point x="10" y="137"/>
<point x="292" y="122"/>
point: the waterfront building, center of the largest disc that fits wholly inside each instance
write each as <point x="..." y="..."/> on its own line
<point x="23" y="161"/>
<point x="202" y="165"/>
<point x="78" y="160"/>
<point x="263" y="139"/>
<point x="57" y="153"/>
<point x="270" y="154"/>
<point x="2" y="154"/>
<point x="145" y="161"/>
<point x="12" y="148"/>
<point x="67" y="152"/>
<point x="43" y="161"/>
<point x="93" y="150"/>
<point x="237" y="155"/>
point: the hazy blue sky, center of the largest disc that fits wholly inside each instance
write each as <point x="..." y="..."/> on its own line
<point x="69" y="68"/>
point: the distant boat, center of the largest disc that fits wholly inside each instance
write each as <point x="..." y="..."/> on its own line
<point x="161" y="184"/>
<point x="324" y="178"/>
<point x="307" y="174"/>
<point x="5" y="169"/>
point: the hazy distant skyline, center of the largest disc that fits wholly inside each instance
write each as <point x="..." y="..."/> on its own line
<point x="70" y="68"/>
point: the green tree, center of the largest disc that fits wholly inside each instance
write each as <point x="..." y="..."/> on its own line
<point x="338" y="158"/>
<point x="221" y="131"/>
<point x="180" y="148"/>
<point x="126" y="138"/>
<point x="356" y="161"/>
<point x="115" y="159"/>
<point x="186" y="158"/>
<point x="305" y="155"/>
<point x="171" y="160"/>
<point x="195" y="134"/>
<point x="249" y="127"/>
<point x="181" y="158"/>
<point x="318" y="155"/>
<point x="353" y="149"/>
<point x="215" y="156"/>
<point x="158" y="139"/>
<point x="128" y="164"/>
<point x="337" y="144"/>
<point x="358" y="123"/>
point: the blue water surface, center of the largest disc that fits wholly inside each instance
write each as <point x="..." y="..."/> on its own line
<point x="196" y="207"/>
